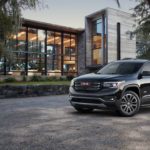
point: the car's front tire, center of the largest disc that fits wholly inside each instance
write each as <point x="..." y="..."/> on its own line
<point x="83" y="110"/>
<point x="129" y="104"/>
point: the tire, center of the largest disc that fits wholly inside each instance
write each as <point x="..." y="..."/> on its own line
<point x="129" y="104"/>
<point x="83" y="110"/>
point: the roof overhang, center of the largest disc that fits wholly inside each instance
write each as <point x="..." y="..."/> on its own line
<point x="49" y="26"/>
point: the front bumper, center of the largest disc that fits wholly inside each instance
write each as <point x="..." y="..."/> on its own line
<point x="94" y="100"/>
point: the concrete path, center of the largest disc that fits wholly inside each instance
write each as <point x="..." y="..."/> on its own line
<point x="50" y="123"/>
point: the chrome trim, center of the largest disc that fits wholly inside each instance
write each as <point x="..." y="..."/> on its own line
<point x="145" y="105"/>
<point x="94" y="86"/>
<point x="146" y="96"/>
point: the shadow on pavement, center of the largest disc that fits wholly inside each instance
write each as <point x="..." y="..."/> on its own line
<point x="97" y="113"/>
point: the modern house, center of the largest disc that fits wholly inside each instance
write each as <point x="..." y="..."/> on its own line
<point x="53" y="50"/>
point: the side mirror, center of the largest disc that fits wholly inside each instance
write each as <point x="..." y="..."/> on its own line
<point x="145" y="73"/>
<point x="140" y="76"/>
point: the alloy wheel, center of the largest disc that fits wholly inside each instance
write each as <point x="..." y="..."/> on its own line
<point x="129" y="104"/>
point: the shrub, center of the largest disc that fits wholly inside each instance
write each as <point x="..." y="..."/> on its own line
<point x="51" y="78"/>
<point x="24" y="78"/>
<point x="10" y="79"/>
<point x="36" y="78"/>
<point x="63" y="78"/>
<point x="70" y="77"/>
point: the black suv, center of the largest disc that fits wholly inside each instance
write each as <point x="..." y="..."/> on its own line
<point x="123" y="85"/>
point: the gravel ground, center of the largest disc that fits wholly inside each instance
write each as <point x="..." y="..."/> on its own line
<point x="50" y="123"/>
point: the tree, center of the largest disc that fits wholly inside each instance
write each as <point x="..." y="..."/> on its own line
<point x="10" y="17"/>
<point x="142" y="14"/>
<point x="118" y="3"/>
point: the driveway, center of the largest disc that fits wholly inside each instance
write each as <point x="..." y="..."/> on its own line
<point x="50" y="123"/>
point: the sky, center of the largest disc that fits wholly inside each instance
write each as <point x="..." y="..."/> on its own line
<point x="71" y="13"/>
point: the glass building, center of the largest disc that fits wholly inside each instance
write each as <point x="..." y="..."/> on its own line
<point x="41" y="49"/>
<point x="53" y="50"/>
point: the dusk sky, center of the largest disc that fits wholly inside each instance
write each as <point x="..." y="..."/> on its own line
<point x="71" y="13"/>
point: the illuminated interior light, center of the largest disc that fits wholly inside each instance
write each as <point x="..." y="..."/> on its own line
<point x="34" y="38"/>
<point x="19" y="35"/>
<point x="50" y="40"/>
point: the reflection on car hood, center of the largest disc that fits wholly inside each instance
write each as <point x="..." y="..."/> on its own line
<point x="103" y="77"/>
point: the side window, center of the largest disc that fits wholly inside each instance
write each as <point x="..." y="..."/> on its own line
<point x="146" y="69"/>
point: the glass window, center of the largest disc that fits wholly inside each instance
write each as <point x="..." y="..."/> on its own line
<point x="122" y="68"/>
<point x="54" y="53"/>
<point x="17" y="42"/>
<point x="50" y="42"/>
<point x="16" y="46"/>
<point x="57" y="48"/>
<point x="18" y="62"/>
<point x="146" y="69"/>
<point x="70" y="65"/>
<point x="98" y="37"/>
<point x="97" y="41"/>
<point x="97" y="26"/>
<point x="1" y="66"/>
<point x="32" y="40"/>
<point x="41" y="41"/>
<point x="36" y="51"/>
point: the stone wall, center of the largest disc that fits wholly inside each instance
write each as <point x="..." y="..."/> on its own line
<point x="11" y="91"/>
<point x="88" y="37"/>
<point x="81" y="53"/>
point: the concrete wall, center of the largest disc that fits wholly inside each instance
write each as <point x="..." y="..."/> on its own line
<point x="128" y="46"/>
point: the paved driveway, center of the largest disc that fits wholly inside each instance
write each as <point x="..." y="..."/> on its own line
<point x="49" y="123"/>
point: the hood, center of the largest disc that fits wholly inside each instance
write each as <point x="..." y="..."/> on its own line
<point x="103" y="77"/>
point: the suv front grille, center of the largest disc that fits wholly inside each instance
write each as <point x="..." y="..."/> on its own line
<point x="87" y="86"/>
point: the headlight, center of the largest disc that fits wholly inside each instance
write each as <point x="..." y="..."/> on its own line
<point x="113" y="84"/>
<point x="72" y="82"/>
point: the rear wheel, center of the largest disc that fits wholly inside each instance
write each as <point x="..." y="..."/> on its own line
<point x="129" y="104"/>
<point x="83" y="110"/>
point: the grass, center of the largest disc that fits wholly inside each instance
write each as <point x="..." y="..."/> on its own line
<point x="38" y="83"/>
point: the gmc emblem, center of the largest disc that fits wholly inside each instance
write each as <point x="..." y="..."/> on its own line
<point x="85" y="84"/>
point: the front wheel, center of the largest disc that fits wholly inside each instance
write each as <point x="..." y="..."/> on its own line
<point x="129" y="104"/>
<point x="83" y="110"/>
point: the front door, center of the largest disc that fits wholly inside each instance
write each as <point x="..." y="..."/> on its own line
<point x="145" y="84"/>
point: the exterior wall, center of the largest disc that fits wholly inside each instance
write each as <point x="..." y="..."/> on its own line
<point x="128" y="46"/>
<point x="81" y="53"/>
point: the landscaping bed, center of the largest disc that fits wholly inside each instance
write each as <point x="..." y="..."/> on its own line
<point x="13" y="88"/>
<point x="11" y="91"/>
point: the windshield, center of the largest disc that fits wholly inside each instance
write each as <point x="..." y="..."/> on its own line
<point x="121" y="68"/>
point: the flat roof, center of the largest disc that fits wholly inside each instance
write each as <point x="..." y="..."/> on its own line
<point x="104" y="10"/>
<point x="49" y="26"/>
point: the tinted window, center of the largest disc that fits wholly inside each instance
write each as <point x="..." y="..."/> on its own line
<point x="146" y="69"/>
<point x="121" y="68"/>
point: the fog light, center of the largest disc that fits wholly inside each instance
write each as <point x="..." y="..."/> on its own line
<point x="112" y="99"/>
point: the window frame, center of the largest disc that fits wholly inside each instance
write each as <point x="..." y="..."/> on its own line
<point x="145" y="75"/>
